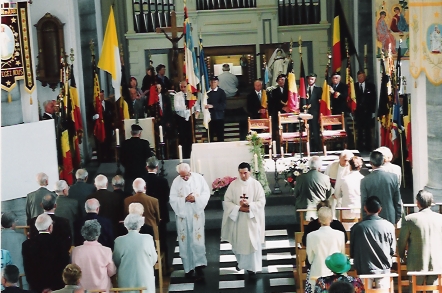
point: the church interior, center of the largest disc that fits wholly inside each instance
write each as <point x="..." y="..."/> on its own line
<point x="61" y="37"/>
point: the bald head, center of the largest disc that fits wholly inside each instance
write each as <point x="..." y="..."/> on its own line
<point x="43" y="223"/>
<point x="92" y="205"/>
<point x="139" y="185"/>
<point x="100" y="182"/>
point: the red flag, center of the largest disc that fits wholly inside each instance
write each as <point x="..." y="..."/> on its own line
<point x="293" y="99"/>
<point x="99" y="130"/>
<point x="302" y="91"/>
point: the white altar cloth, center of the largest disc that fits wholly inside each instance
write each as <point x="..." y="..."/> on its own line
<point x="219" y="159"/>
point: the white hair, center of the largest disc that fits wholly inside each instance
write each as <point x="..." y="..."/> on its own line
<point x="346" y="154"/>
<point x="139" y="185"/>
<point x="81" y="174"/>
<point x="386" y="152"/>
<point x="183" y="167"/>
<point x="43" y="222"/>
<point x="136" y="208"/>
<point x="60" y="185"/>
<point x="133" y="222"/>
<point x="325" y="215"/>
<point x="42" y="179"/>
<point x="315" y="163"/>
<point x="101" y="181"/>
<point x="118" y="181"/>
<point x="91" y="205"/>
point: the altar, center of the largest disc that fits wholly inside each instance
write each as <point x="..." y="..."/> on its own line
<point x="219" y="159"/>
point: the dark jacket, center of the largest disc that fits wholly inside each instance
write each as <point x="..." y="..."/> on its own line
<point x="276" y="101"/>
<point x="365" y="103"/>
<point x="158" y="187"/>
<point x="339" y="104"/>
<point x="106" y="237"/>
<point x="80" y="191"/>
<point x="253" y="105"/>
<point x="218" y="100"/>
<point x="111" y="206"/>
<point x="134" y="154"/>
<point x="313" y="101"/>
<point x="60" y="229"/>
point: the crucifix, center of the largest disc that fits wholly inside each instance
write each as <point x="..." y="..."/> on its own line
<point x="174" y="39"/>
<point x="243" y="196"/>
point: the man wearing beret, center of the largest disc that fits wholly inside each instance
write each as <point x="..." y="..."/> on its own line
<point x="314" y="94"/>
<point x="134" y="154"/>
<point x="216" y="103"/>
<point x="338" y="95"/>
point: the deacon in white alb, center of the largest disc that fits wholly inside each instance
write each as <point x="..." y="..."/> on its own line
<point x="244" y="221"/>
<point x="189" y="195"/>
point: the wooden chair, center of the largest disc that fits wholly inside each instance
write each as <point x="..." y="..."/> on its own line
<point x="367" y="278"/>
<point x="399" y="266"/>
<point x="139" y="289"/>
<point x="409" y="208"/>
<point x="161" y="258"/>
<point x="343" y="220"/>
<point x="26" y="229"/>
<point x="422" y="288"/>
<point x="328" y="135"/>
<point x="302" y="221"/>
<point x="301" y="257"/>
<point x="293" y="137"/>
<point x="264" y="126"/>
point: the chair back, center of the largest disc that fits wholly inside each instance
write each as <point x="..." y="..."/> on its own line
<point x="425" y="287"/>
<point x="366" y="279"/>
<point x="160" y="257"/>
<point x="301" y="257"/>
<point x="263" y="127"/>
<point x="332" y="120"/>
<point x="302" y="220"/>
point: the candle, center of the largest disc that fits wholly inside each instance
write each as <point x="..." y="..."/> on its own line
<point x="161" y="133"/>
<point x="180" y="153"/>
<point x="282" y="152"/>
<point x="199" y="166"/>
<point x="274" y="147"/>
<point x="117" y="135"/>
<point x="255" y="158"/>
<point x="365" y="50"/>
<point x="270" y="153"/>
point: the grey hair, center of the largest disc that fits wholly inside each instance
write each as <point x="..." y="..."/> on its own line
<point x="43" y="222"/>
<point x="325" y="215"/>
<point x="424" y="198"/>
<point x="136" y="208"/>
<point x="133" y="222"/>
<point x="91" y="230"/>
<point x="118" y="181"/>
<point x="346" y="154"/>
<point x="152" y="162"/>
<point x="135" y="132"/>
<point x="139" y="185"/>
<point x="91" y="205"/>
<point x="8" y="219"/>
<point x="386" y="152"/>
<point x="60" y="185"/>
<point x="315" y="163"/>
<point x="45" y="103"/>
<point x="183" y="167"/>
<point x="42" y="179"/>
<point x="81" y="174"/>
<point x="100" y="181"/>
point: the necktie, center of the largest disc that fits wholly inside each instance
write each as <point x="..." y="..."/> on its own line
<point x="360" y="88"/>
<point x="309" y="91"/>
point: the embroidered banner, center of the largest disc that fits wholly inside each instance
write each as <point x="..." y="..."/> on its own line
<point x="15" y="47"/>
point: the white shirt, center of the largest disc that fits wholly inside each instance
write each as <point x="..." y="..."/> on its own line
<point x="160" y="100"/>
<point x="259" y="95"/>
<point x="179" y="103"/>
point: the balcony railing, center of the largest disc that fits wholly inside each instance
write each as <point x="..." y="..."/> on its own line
<point x="295" y="12"/>
<point x="152" y="14"/>
<point x="224" y="4"/>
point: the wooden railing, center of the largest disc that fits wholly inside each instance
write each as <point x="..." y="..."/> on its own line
<point x="297" y="12"/>
<point x="152" y="14"/>
<point x="224" y="4"/>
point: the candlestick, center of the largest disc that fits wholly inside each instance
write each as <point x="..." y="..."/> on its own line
<point x="180" y="153"/>
<point x="274" y="147"/>
<point x="255" y="158"/>
<point x="161" y="133"/>
<point x="270" y="153"/>
<point x="199" y="166"/>
<point x="365" y="50"/>
<point x="117" y="135"/>
<point x="282" y="152"/>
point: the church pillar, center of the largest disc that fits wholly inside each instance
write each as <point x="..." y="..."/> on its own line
<point x="323" y="6"/>
<point x="129" y="17"/>
<point x="434" y="138"/>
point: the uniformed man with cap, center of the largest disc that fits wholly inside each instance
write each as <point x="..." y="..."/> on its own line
<point x="134" y="154"/>
<point x="314" y="94"/>
<point x="216" y="103"/>
<point x="338" y="95"/>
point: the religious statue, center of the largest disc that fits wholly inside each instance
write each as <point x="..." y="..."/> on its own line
<point x="278" y="64"/>
<point x="175" y="50"/>
<point x="436" y="41"/>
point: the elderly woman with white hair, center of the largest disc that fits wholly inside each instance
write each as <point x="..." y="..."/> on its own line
<point x="94" y="259"/>
<point x="135" y="256"/>
<point x="320" y="244"/>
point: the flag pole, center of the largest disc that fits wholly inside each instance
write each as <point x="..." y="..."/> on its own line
<point x="349" y="89"/>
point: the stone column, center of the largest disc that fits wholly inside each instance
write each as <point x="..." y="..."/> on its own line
<point x="130" y="17"/>
<point x="323" y="5"/>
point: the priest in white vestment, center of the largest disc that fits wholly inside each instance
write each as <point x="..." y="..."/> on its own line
<point x="189" y="195"/>
<point x="244" y="221"/>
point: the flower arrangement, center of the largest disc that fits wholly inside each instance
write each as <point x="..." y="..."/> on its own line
<point x="294" y="168"/>
<point x="255" y="142"/>
<point x="219" y="185"/>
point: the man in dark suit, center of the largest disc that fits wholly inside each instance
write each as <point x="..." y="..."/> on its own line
<point x="421" y="232"/>
<point x="81" y="189"/>
<point x="137" y="105"/>
<point x="314" y="94"/>
<point x="384" y="185"/>
<point x="161" y="77"/>
<point x="254" y="101"/>
<point x="49" y="110"/>
<point x="110" y="203"/>
<point x="92" y="208"/>
<point x="108" y="115"/>
<point x="66" y="207"/>
<point x="338" y="95"/>
<point x="44" y="258"/>
<point x="33" y="199"/>
<point x="216" y="103"/>
<point x="158" y="187"/>
<point x="134" y="153"/>
<point x="365" y="111"/>
<point x="60" y="226"/>
<point x="277" y="101"/>
<point x="10" y="278"/>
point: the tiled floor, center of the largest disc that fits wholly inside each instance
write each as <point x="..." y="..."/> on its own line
<point x="221" y="275"/>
